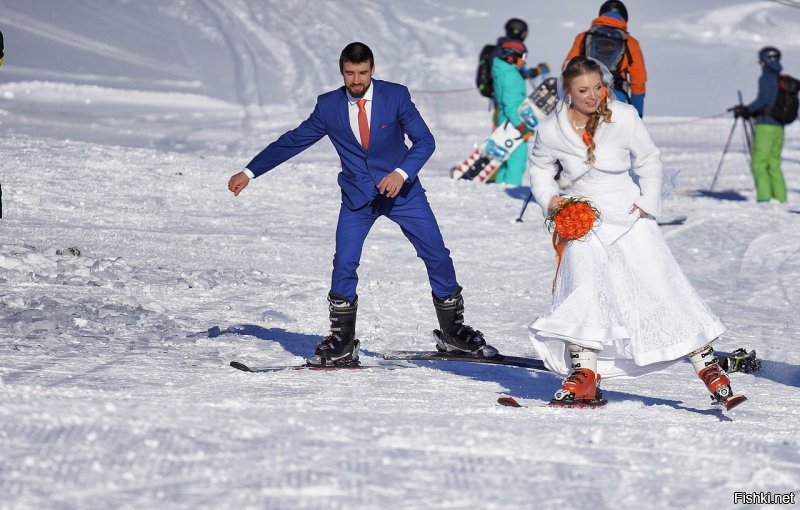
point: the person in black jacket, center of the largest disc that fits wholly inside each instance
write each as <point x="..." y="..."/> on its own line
<point x="768" y="133"/>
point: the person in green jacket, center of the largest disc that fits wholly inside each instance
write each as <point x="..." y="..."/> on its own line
<point x="509" y="93"/>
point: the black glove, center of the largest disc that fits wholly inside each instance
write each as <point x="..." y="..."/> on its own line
<point x="740" y="111"/>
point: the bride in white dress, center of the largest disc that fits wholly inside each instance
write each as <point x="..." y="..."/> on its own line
<point x="621" y="305"/>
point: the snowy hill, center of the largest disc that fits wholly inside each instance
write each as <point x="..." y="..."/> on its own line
<point x="267" y="61"/>
<point x="131" y="277"/>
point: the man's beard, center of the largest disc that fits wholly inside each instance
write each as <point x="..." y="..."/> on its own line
<point x="360" y="94"/>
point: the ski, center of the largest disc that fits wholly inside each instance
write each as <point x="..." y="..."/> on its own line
<point x="326" y="368"/>
<point x="508" y="401"/>
<point x="730" y="402"/>
<point x="578" y="403"/>
<point x="514" y="361"/>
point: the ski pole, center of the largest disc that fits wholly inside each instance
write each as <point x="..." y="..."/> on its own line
<point x="748" y="128"/>
<point x="724" y="151"/>
<point x="524" y="206"/>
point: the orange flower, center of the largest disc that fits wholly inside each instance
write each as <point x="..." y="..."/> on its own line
<point x="572" y="218"/>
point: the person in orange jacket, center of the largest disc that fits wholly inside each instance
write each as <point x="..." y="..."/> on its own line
<point x="608" y="41"/>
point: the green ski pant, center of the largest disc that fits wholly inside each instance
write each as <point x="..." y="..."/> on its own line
<point x="766" y="161"/>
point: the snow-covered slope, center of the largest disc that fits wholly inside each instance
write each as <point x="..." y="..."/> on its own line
<point x="268" y="60"/>
<point x="131" y="277"/>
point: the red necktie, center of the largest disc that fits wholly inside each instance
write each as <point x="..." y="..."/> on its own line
<point x="363" y="125"/>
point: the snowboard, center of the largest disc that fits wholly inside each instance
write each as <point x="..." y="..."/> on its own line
<point x="485" y="159"/>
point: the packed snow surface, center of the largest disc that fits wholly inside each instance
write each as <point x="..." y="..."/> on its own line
<point x="131" y="277"/>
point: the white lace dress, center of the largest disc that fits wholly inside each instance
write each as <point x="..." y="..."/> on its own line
<point x="619" y="290"/>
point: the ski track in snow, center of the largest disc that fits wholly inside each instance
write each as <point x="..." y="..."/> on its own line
<point x="132" y="277"/>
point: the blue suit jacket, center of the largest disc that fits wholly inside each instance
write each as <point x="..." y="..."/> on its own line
<point x="393" y="116"/>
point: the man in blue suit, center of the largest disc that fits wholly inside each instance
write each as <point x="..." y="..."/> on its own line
<point x="367" y="121"/>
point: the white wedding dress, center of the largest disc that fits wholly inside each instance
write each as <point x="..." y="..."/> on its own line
<point x="619" y="290"/>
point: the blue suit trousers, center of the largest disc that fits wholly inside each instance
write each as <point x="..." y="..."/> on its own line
<point x="418" y="224"/>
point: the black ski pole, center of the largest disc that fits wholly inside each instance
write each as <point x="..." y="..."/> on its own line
<point x="524" y="206"/>
<point x="724" y="151"/>
<point x="728" y="142"/>
<point x="748" y="127"/>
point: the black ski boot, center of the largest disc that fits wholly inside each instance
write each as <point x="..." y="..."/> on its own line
<point x="341" y="346"/>
<point x="739" y="361"/>
<point x="455" y="336"/>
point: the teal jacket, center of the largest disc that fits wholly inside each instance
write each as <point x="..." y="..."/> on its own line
<point x="509" y="90"/>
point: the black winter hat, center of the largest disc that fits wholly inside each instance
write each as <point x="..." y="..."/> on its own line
<point x="516" y="29"/>
<point x="769" y="54"/>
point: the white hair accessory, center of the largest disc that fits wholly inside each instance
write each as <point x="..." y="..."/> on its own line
<point x="608" y="79"/>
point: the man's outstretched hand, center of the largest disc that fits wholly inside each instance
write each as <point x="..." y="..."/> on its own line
<point x="391" y="184"/>
<point x="238" y="182"/>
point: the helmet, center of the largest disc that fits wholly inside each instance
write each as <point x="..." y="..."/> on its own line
<point x="511" y="51"/>
<point x="769" y="54"/>
<point x="614" y="6"/>
<point x="516" y="29"/>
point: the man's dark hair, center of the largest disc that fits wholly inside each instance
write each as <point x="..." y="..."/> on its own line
<point x="356" y="53"/>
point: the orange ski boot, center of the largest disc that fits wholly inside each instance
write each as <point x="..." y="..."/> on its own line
<point x="580" y="389"/>
<point x="719" y="384"/>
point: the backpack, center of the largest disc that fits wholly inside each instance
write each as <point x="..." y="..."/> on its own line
<point x="608" y="45"/>
<point x="786" y="105"/>
<point x="483" y="79"/>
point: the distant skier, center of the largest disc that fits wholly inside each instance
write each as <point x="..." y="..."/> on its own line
<point x="378" y="178"/>
<point x="769" y="132"/>
<point x="609" y="42"/>
<point x="501" y="76"/>
<point x="517" y="31"/>
<point x="509" y="92"/>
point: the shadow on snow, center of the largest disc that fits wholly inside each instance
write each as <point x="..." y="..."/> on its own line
<point x="519" y="382"/>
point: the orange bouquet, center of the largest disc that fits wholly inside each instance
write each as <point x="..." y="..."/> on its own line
<point x="571" y="219"/>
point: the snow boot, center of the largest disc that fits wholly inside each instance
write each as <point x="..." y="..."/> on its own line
<point x="340" y="347"/>
<point x="455" y="336"/>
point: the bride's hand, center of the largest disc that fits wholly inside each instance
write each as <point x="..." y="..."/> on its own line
<point x="642" y="213"/>
<point x="553" y="203"/>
